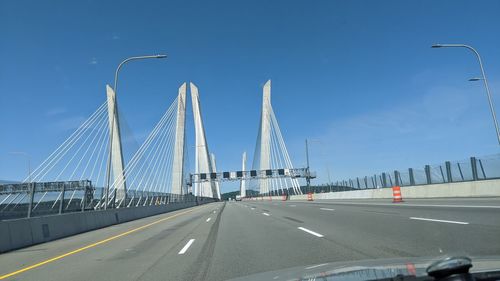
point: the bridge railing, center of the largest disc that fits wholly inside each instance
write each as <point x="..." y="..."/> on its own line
<point x="472" y="169"/>
<point x="51" y="198"/>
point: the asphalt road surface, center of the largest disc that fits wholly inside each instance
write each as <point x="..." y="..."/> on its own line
<point x="222" y="241"/>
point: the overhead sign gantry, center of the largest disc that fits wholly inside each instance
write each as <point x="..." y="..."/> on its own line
<point x="251" y="175"/>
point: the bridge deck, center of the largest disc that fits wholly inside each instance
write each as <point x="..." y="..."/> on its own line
<point x="241" y="238"/>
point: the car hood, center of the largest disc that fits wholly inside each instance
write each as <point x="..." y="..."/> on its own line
<point x="367" y="269"/>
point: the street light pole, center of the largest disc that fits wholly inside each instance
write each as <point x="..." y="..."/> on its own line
<point x="308" y="175"/>
<point x="115" y="85"/>
<point x="490" y="100"/>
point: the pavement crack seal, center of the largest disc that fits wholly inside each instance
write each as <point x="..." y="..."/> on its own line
<point x="294" y="220"/>
<point x="89" y="246"/>
<point x="204" y="259"/>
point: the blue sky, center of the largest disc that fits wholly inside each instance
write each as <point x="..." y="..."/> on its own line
<point x="358" y="76"/>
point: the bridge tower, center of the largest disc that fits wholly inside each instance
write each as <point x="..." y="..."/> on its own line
<point x="116" y="152"/>
<point x="243" y="188"/>
<point x="265" y="136"/>
<point x="271" y="153"/>
<point x="217" y="185"/>
<point x="178" y="186"/>
<point x="203" y="164"/>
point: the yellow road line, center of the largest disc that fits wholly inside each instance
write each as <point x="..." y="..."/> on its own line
<point x="89" y="246"/>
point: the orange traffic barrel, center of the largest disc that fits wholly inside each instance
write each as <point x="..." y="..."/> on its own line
<point x="396" y="194"/>
<point x="309" y="196"/>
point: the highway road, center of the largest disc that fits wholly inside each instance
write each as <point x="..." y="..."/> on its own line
<point x="221" y="241"/>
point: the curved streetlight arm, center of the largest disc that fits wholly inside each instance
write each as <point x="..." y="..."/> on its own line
<point x="490" y="100"/>
<point x="133" y="58"/>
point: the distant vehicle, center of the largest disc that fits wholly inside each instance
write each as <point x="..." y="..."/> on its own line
<point x="238" y="197"/>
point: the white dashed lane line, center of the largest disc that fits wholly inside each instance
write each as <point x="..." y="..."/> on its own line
<point x="209" y="219"/>
<point x="314" y="266"/>
<point x="186" y="247"/>
<point x="327" y="209"/>
<point x="310" y="231"/>
<point x="266" y="214"/>
<point x="435" y="220"/>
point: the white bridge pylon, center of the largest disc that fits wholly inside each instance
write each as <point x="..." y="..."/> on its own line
<point x="154" y="172"/>
<point x="243" y="187"/>
<point x="271" y="152"/>
<point x="203" y="161"/>
<point x="272" y="171"/>
<point x="158" y="166"/>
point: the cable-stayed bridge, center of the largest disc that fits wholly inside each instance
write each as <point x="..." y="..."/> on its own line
<point x="160" y="232"/>
<point x="88" y="170"/>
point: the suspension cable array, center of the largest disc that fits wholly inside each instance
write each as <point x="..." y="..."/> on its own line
<point x="80" y="157"/>
<point x="149" y="171"/>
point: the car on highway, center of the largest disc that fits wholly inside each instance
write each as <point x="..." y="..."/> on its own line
<point x="238" y="198"/>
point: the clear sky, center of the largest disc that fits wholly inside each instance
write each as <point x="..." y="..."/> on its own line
<point x="358" y="76"/>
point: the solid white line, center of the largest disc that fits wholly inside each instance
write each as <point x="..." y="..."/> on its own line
<point x="425" y="219"/>
<point x="310" y="231"/>
<point x="414" y="205"/>
<point x="186" y="247"/>
<point x="209" y="219"/>
<point x="327" y="209"/>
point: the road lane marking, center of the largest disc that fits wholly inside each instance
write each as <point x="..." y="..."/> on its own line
<point x="292" y="205"/>
<point x="408" y="205"/>
<point x="314" y="266"/>
<point x="90" y="246"/>
<point x="214" y="212"/>
<point x="266" y="214"/>
<point x="310" y="231"/>
<point x="253" y="208"/>
<point x="186" y="247"/>
<point x="434" y="220"/>
<point x="327" y="209"/>
<point x="209" y="219"/>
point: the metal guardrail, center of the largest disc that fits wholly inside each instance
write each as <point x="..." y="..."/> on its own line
<point x="472" y="169"/>
<point x="47" y="198"/>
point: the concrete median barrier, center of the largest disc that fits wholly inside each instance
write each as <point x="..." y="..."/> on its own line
<point x="19" y="233"/>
